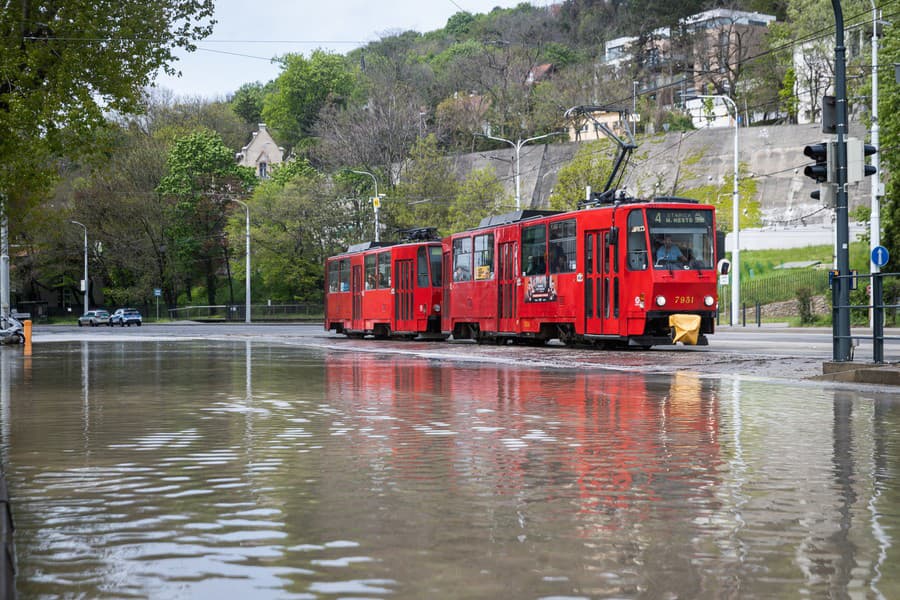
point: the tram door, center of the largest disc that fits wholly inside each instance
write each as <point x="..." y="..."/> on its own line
<point x="601" y="284"/>
<point x="356" y="287"/>
<point x="508" y="272"/>
<point x="404" y="275"/>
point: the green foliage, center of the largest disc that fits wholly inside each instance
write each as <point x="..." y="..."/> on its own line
<point x="480" y="194"/>
<point x="804" y="305"/>
<point x="721" y="196"/>
<point x="55" y="93"/>
<point x="295" y="224"/>
<point x="304" y="87"/>
<point x="459" y="23"/>
<point x="590" y="166"/>
<point x="889" y="118"/>
<point x="428" y="186"/>
<point x="247" y="102"/>
<point x="202" y="178"/>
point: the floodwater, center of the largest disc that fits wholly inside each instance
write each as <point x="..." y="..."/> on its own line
<point x="246" y="469"/>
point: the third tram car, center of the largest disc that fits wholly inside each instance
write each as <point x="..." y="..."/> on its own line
<point x="386" y="289"/>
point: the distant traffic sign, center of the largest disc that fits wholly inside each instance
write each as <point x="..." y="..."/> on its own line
<point x="880" y="256"/>
<point x="157" y="292"/>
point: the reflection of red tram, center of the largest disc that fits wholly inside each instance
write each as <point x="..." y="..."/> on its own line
<point x="386" y="289"/>
<point x="635" y="273"/>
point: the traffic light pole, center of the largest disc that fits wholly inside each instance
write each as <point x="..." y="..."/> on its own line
<point x="841" y="326"/>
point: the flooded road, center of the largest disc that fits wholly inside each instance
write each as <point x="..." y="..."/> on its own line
<point x="198" y="469"/>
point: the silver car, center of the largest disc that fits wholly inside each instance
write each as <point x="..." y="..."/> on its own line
<point x="94" y="318"/>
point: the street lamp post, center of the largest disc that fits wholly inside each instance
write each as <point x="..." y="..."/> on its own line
<point x="735" y="217"/>
<point x="85" y="263"/>
<point x="376" y="200"/>
<point x="246" y="263"/>
<point x="517" y="146"/>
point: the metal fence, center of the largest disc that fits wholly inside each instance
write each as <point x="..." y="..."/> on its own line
<point x="774" y="288"/>
<point x="258" y="312"/>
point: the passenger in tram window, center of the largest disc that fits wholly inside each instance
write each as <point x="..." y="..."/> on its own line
<point x="559" y="264"/>
<point x="370" y="281"/>
<point x="461" y="274"/>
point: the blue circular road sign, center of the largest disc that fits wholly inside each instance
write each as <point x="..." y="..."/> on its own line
<point x="880" y="256"/>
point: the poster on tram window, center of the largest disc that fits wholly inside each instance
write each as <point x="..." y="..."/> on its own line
<point x="540" y="288"/>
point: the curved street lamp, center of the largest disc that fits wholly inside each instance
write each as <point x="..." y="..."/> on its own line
<point x="517" y="146"/>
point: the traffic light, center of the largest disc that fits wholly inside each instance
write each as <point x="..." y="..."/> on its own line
<point x="825" y="194"/>
<point x="823" y="170"/>
<point x="869" y="150"/>
<point x="857" y="152"/>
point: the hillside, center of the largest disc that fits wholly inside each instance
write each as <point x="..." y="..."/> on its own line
<point x="771" y="156"/>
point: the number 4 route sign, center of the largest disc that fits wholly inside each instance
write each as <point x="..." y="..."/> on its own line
<point x="880" y="256"/>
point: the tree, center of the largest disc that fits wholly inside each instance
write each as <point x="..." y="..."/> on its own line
<point x="590" y="166"/>
<point x="480" y="194"/>
<point x="202" y="177"/>
<point x="66" y="65"/>
<point x="297" y="221"/>
<point x="247" y="102"/>
<point x="423" y="197"/>
<point x="302" y="90"/>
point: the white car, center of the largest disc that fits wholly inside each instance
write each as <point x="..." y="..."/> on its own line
<point x="125" y="316"/>
<point x="94" y="318"/>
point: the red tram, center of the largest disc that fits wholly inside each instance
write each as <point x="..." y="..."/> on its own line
<point x="386" y="289"/>
<point x="634" y="273"/>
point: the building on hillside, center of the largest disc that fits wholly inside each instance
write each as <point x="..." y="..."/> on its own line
<point x="262" y="153"/>
<point x="703" y="55"/>
<point x="587" y="127"/>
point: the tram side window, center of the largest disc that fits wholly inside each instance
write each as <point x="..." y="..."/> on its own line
<point x="334" y="276"/>
<point x="462" y="259"/>
<point x="345" y="275"/>
<point x="436" y="266"/>
<point x="562" y="246"/>
<point x="422" y="279"/>
<point x="534" y="250"/>
<point x="637" y="242"/>
<point x="384" y="270"/>
<point x="371" y="272"/>
<point x="484" y="256"/>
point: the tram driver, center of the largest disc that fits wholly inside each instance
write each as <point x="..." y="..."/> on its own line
<point x="669" y="252"/>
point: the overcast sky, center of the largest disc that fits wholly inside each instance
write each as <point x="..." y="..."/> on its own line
<point x="249" y="34"/>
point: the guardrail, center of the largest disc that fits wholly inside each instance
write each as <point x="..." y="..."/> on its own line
<point x="258" y="312"/>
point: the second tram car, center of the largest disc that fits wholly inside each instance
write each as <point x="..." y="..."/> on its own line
<point x="386" y="289"/>
<point x="635" y="273"/>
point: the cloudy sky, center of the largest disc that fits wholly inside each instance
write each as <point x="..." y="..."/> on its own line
<point x="249" y="34"/>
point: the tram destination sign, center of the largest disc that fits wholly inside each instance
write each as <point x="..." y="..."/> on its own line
<point x="680" y="217"/>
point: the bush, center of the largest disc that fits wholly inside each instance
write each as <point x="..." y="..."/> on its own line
<point x="804" y="306"/>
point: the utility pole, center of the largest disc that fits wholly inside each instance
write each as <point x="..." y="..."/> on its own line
<point x="83" y="226"/>
<point x="376" y="200"/>
<point x="246" y="262"/>
<point x="4" y="261"/>
<point x="875" y="205"/>
<point x="735" y="217"/>
<point x="841" y="326"/>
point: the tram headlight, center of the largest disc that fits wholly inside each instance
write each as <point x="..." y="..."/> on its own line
<point x="436" y="308"/>
<point x="660" y="300"/>
<point x="709" y="300"/>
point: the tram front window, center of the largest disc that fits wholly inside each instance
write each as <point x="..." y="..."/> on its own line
<point x="681" y="238"/>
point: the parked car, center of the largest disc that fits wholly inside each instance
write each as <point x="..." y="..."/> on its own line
<point x="125" y="316"/>
<point x="94" y="318"/>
